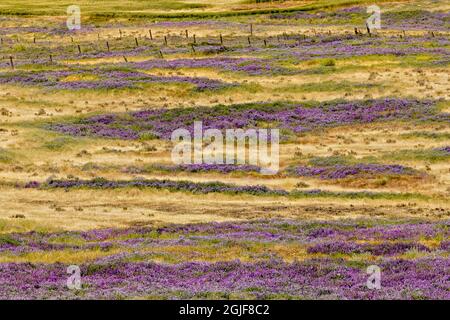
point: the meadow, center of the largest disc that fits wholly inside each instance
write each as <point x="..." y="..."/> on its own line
<point x="87" y="178"/>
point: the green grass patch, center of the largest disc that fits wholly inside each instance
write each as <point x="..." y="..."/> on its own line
<point x="439" y="136"/>
<point x="429" y="155"/>
<point x="330" y="86"/>
<point x="357" y="195"/>
<point x="5" y="239"/>
<point x="6" y="156"/>
<point x="58" y="143"/>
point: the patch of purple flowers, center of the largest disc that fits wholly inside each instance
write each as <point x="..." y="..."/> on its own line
<point x="289" y="117"/>
<point x="115" y="276"/>
<point x="382" y="249"/>
<point x="344" y="171"/>
<point x="195" y="187"/>
<point x="203" y="167"/>
<point x="444" y="149"/>
<point x="251" y="66"/>
<point x="406" y="20"/>
<point x="324" y="278"/>
<point x="107" y="79"/>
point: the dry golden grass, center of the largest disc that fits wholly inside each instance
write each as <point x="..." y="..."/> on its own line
<point x="50" y="210"/>
<point x="22" y="136"/>
<point x="61" y="256"/>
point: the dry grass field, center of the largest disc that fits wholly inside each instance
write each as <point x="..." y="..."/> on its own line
<point x="364" y="153"/>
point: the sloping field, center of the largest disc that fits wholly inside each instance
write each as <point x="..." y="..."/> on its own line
<point x="87" y="175"/>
